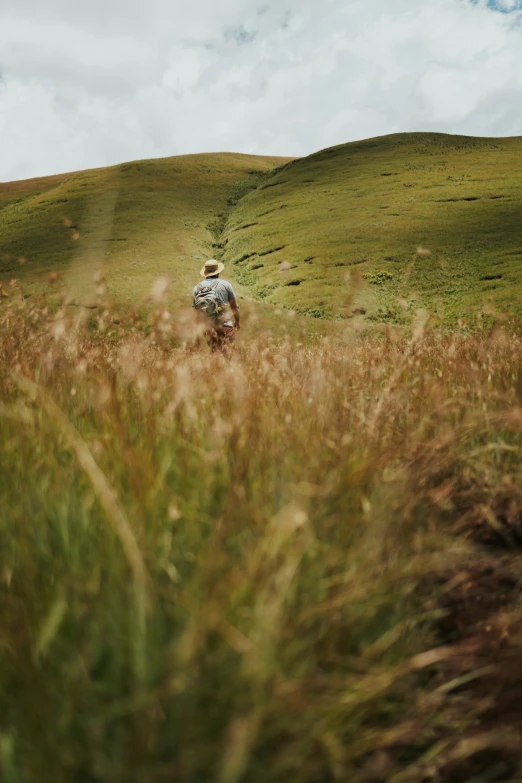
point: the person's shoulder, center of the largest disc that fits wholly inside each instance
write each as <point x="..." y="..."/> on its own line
<point x="228" y="285"/>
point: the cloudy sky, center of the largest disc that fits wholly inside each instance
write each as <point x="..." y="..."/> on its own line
<point x="88" y="83"/>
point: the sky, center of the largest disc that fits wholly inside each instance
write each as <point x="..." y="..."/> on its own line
<point x="87" y="83"/>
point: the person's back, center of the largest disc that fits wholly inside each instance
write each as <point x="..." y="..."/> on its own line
<point x="216" y="300"/>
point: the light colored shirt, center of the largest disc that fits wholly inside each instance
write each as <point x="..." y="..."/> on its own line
<point x="224" y="293"/>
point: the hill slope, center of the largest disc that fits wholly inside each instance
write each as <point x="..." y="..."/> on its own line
<point x="140" y="221"/>
<point x="378" y="227"/>
<point x="420" y="219"/>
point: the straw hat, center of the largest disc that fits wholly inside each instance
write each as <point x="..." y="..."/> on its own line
<point x="212" y="267"/>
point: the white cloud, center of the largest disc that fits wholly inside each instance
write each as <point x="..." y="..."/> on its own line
<point x="90" y="84"/>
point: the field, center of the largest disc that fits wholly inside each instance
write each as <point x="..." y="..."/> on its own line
<point x="299" y="564"/>
<point x="421" y="219"/>
<point x="138" y="222"/>
<point x="369" y="232"/>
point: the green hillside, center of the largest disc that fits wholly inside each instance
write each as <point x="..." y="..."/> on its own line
<point x="375" y="229"/>
<point x="401" y="221"/>
<point x="296" y="563"/>
<point x="139" y="221"/>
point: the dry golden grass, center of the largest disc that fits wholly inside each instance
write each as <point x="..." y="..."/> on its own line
<point x="301" y="564"/>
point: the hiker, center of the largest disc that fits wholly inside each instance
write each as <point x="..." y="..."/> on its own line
<point x="214" y="298"/>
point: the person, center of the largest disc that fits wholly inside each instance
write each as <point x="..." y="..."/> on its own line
<point x="214" y="299"/>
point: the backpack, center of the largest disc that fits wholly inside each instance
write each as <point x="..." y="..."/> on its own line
<point x="206" y="300"/>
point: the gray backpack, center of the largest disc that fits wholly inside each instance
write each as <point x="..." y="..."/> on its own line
<point x="206" y="300"/>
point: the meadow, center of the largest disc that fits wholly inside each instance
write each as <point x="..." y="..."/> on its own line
<point x="300" y="564"/>
<point x="410" y="220"/>
<point x="138" y="221"/>
<point x="368" y="232"/>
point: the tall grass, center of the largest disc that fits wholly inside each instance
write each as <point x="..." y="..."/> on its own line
<point x="299" y="564"/>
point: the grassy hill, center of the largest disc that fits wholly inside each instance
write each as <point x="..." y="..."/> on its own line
<point x="300" y="563"/>
<point x="402" y="221"/>
<point x="139" y="221"/>
<point x="375" y="229"/>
